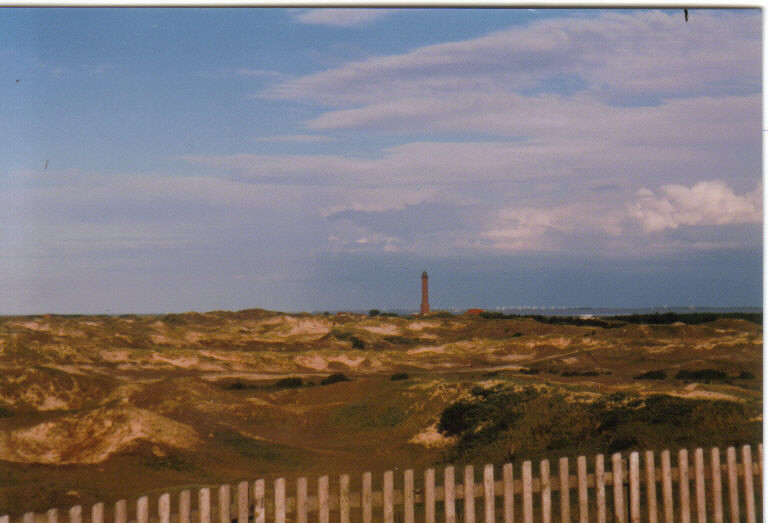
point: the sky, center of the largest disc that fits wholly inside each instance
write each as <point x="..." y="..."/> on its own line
<point x="167" y="160"/>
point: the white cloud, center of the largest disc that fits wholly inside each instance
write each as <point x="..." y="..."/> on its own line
<point x="549" y="227"/>
<point x="339" y="17"/>
<point x="376" y="199"/>
<point x="616" y="56"/>
<point x="611" y="225"/>
<point x="706" y="203"/>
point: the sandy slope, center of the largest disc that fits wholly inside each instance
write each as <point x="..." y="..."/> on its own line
<point x="158" y="391"/>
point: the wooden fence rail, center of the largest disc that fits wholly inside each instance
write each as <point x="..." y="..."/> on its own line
<point x="633" y="490"/>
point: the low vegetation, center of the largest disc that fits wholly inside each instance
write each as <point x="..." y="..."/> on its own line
<point x="101" y="408"/>
<point x="334" y="378"/>
<point x="501" y="423"/>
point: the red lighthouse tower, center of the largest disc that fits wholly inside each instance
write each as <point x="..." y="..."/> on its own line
<point x="424" y="293"/>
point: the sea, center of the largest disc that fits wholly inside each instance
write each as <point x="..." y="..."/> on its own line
<point x="580" y="311"/>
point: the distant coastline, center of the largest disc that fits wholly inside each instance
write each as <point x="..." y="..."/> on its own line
<point x="569" y="311"/>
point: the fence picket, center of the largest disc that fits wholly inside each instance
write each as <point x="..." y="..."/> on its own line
<point x="388" y="497"/>
<point x="280" y="500"/>
<point x="546" y="492"/>
<point x="409" y="512"/>
<point x="259" y="505"/>
<point x="469" y="494"/>
<point x="617" y="476"/>
<point x="121" y="511"/>
<point x="224" y="501"/>
<point x="717" y="486"/>
<point x="489" y="496"/>
<point x="650" y="486"/>
<point x="97" y="513"/>
<point x="302" y="500"/>
<point x="508" y="482"/>
<point x="760" y="463"/>
<point x="204" y="505"/>
<point x="749" y="493"/>
<point x="242" y="502"/>
<point x="344" y="511"/>
<point x="685" y="493"/>
<point x="565" y="490"/>
<point x="733" y="488"/>
<point x="581" y="471"/>
<point x="625" y="471"/>
<point x="701" y="499"/>
<point x="666" y="487"/>
<point x="367" y="498"/>
<point x="185" y="507"/>
<point x="76" y="514"/>
<point x="600" y="488"/>
<point x="163" y="508"/>
<point x="527" y="493"/>
<point x="429" y="496"/>
<point x="634" y="487"/>
<point x="449" y="486"/>
<point x="142" y="510"/>
<point x="323" y="506"/>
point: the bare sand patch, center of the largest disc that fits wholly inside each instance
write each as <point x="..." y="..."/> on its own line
<point x="114" y="356"/>
<point x="707" y="394"/>
<point x="559" y="342"/>
<point x="184" y="362"/>
<point x="348" y="361"/>
<point x="34" y="325"/>
<point x="159" y="339"/>
<point x="218" y="356"/>
<point x="93" y="437"/>
<point x="431" y="438"/>
<point x="420" y="325"/>
<point x="314" y="361"/>
<point x="430" y="348"/>
<point x="515" y="357"/>
<point x="193" y="337"/>
<point x="302" y="326"/>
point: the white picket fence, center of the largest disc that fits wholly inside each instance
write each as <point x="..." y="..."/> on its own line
<point x="633" y="490"/>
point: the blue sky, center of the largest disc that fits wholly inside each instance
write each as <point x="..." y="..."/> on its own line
<point x="165" y="160"/>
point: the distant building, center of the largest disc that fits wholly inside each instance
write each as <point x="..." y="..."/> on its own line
<point x="424" y="294"/>
<point x="474" y="311"/>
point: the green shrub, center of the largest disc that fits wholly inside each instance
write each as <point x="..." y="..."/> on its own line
<point x="334" y="378"/>
<point x="458" y="418"/>
<point x="497" y="423"/>
<point x="701" y="375"/>
<point x="572" y="373"/>
<point x="292" y="382"/>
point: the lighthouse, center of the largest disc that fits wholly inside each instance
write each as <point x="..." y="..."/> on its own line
<point x="424" y="294"/>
